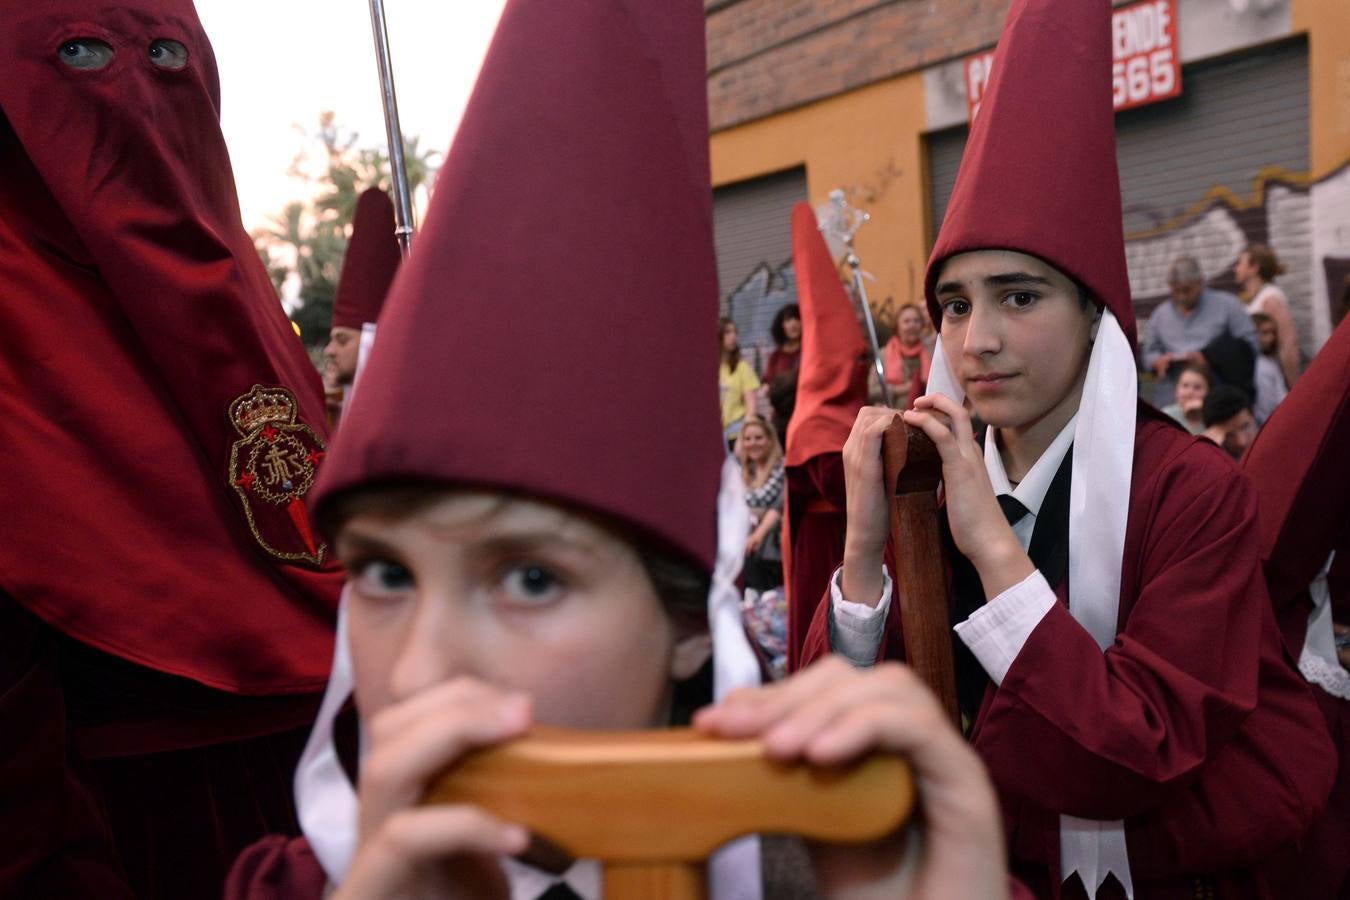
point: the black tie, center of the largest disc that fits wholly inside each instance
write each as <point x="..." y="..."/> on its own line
<point x="1049" y="552"/>
<point x="1013" y="510"/>
<point x="559" y="890"/>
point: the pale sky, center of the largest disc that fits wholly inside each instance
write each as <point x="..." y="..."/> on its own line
<point x="282" y="62"/>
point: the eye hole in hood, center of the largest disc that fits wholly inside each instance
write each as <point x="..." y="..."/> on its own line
<point x="168" y="54"/>
<point x="85" y="53"/>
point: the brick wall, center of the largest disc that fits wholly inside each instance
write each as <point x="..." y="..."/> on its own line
<point x="765" y="56"/>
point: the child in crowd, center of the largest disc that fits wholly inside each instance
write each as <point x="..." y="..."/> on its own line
<point x="1270" y="383"/>
<point x="1227" y="414"/>
<point x="1193" y="384"/>
<point x="523" y="560"/>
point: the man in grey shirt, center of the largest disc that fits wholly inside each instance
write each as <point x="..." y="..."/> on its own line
<point x="1194" y="316"/>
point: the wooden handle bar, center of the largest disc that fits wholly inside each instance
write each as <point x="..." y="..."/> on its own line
<point x="671" y="796"/>
<point x="913" y="470"/>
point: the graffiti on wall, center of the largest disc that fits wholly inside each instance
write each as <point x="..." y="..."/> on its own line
<point x="754" y="303"/>
<point x="1306" y="223"/>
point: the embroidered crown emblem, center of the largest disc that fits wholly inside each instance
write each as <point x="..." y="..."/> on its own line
<point x="272" y="467"/>
<point x="262" y="406"/>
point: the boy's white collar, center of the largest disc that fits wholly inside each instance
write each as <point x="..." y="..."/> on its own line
<point x="1031" y="490"/>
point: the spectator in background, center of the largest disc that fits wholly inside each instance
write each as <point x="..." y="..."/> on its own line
<point x="761" y="457"/>
<point x="738" y="383"/>
<point x="1255" y="270"/>
<point x="1194" y="317"/>
<point x="787" y="340"/>
<point x="1192" y="387"/>
<point x="1270" y="383"/>
<point x="1228" y="419"/>
<point x="906" y="357"/>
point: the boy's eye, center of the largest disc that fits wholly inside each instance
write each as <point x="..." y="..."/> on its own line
<point x="955" y="308"/>
<point x="1020" y="299"/>
<point x="168" y="54"/>
<point x="382" y="576"/>
<point x="531" y="583"/>
<point x="85" y="53"/>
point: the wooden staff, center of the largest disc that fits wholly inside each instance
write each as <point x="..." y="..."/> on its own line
<point x="653" y="805"/>
<point x="913" y="470"/>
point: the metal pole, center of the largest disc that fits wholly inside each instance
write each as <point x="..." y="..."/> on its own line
<point x="856" y="266"/>
<point x="397" y="164"/>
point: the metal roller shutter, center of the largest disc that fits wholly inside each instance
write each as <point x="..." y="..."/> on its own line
<point x="752" y="230"/>
<point x="1196" y="174"/>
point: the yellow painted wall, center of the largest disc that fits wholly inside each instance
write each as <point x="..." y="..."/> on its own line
<point x="1327" y="23"/>
<point x="868" y="142"/>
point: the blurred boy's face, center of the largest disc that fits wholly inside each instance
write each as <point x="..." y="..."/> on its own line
<point x="516" y="593"/>
<point x="1017" y="337"/>
<point x="1269" y="335"/>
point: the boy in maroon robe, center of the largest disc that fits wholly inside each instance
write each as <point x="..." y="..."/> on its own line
<point x="161" y="426"/>
<point x="1299" y="466"/>
<point x="1115" y="649"/>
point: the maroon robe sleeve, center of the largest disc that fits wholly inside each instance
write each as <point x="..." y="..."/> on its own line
<point x="277" y="868"/>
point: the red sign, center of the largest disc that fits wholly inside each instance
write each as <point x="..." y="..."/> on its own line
<point x="1146" y="66"/>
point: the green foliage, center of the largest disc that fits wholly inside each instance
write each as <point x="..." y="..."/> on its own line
<point x="310" y="239"/>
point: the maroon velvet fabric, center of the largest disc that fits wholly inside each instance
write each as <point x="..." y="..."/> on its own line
<point x="1192" y="727"/>
<point x="563" y="280"/>
<point x="370" y="264"/>
<point x="55" y="841"/>
<point x="135" y="312"/>
<point x="277" y="868"/>
<point x="1298" y="464"/>
<point x="1039" y="172"/>
<point x="816" y="520"/>
<point x="182" y="818"/>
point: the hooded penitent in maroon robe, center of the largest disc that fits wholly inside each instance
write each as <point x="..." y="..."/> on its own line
<point x="831" y="388"/>
<point x="1299" y="464"/>
<point x="1149" y="724"/>
<point x="161" y="426"/>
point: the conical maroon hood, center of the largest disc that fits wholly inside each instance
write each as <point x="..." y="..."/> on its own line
<point x="555" y="329"/>
<point x="831" y="379"/>
<point x="1039" y="173"/>
<point x="371" y="261"/>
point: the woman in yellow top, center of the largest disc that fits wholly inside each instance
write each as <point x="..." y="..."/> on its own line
<point x="738" y="383"/>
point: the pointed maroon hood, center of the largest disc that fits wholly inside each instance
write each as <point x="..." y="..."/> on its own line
<point x="554" y="330"/>
<point x="371" y="261"/>
<point x="1039" y="172"/>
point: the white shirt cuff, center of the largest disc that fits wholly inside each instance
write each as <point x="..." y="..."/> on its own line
<point x="996" y="632"/>
<point x="856" y="629"/>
